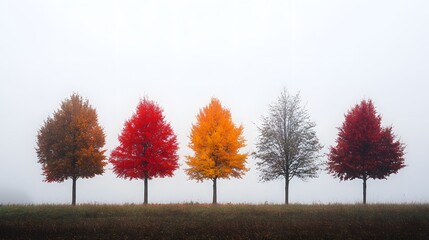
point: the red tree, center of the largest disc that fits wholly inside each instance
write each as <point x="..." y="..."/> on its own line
<point x="365" y="149"/>
<point x="148" y="146"/>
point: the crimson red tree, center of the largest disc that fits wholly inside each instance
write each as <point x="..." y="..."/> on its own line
<point x="148" y="146"/>
<point x="364" y="149"/>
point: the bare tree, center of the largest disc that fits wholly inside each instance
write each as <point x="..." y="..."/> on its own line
<point x="287" y="143"/>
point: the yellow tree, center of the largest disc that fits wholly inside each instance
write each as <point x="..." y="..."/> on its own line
<point x="216" y="141"/>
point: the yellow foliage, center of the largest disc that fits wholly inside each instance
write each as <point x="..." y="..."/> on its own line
<point x="216" y="141"/>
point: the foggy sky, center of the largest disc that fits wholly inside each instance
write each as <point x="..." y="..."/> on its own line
<point x="181" y="53"/>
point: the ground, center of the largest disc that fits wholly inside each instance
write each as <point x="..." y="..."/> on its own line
<point x="202" y="221"/>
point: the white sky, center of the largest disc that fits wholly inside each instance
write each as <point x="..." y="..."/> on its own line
<point x="181" y="53"/>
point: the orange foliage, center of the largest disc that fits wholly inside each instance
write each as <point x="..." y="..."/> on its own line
<point x="216" y="141"/>
<point x="69" y="144"/>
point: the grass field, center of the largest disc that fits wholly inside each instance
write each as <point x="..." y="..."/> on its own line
<point x="200" y="221"/>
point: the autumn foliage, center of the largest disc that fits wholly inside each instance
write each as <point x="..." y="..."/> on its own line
<point x="216" y="142"/>
<point x="148" y="146"/>
<point x="364" y="149"/>
<point x="69" y="144"/>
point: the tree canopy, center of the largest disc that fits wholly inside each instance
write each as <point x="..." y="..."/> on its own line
<point x="216" y="141"/>
<point x="364" y="149"/>
<point x="148" y="146"/>
<point x="69" y="144"/>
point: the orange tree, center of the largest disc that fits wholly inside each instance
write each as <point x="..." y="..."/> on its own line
<point x="69" y="143"/>
<point x="148" y="146"/>
<point x="216" y="141"/>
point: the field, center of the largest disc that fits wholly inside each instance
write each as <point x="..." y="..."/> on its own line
<point x="200" y="221"/>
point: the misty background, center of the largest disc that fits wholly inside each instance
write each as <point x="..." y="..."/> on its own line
<point x="180" y="53"/>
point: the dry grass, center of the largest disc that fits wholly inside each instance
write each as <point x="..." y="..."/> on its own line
<point x="199" y="221"/>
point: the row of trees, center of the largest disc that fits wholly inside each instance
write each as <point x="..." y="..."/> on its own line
<point x="69" y="145"/>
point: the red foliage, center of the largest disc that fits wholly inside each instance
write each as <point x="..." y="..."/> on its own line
<point x="148" y="146"/>
<point x="365" y="149"/>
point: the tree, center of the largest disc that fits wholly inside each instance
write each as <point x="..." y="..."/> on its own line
<point x="148" y="146"/>
<point x="216" y="141"/>
<point x="69" y="144"/>
<point x="287" y="145"/>
<point x="364" y="149"/>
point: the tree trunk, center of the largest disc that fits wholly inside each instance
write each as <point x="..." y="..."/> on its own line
<point x="145" y="190"/>
<point x="74" y="191"/>
<point x="364" y="190"/>
<point x="214" y="191"/>
<point x="286" y="190"/>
